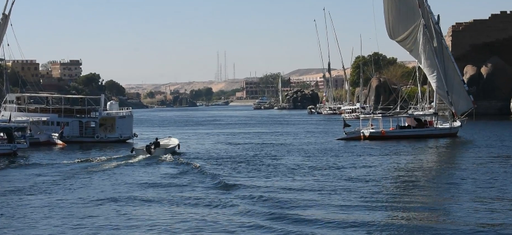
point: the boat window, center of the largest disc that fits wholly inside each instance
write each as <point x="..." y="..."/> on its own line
<point x="58" y="123"/>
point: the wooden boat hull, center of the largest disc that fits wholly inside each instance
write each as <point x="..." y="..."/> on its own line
<point x="423" y="133"/>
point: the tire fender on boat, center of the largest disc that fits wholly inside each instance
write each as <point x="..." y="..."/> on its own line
<point x="135" y="135"/>
<point x="97" y="136"/>
<point x="120" y="136"/>
<point x="14" y="147"/>
<point x="179" y="146"/>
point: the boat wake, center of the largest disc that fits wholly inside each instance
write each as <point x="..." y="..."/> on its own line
<point x="116" y="164"/>
<point x="177" y="159"/>
<point x="218" y="182"/>
<point x="93" y="159"/>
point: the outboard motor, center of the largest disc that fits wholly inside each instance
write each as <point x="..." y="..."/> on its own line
<point x="148" y="149"/>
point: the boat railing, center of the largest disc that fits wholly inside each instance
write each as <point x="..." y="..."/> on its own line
<point x="118" y="113"/>
<point x="67" y="111"/>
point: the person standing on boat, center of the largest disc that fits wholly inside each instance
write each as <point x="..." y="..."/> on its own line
<point x="156" y="143"/>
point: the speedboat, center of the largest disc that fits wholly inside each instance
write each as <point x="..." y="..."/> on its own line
<point x="45" y="139"/>
<point x="167" y="146"/>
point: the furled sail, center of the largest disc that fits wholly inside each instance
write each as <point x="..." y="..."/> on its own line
<point x="411" y="24"/>
<point x="4" y="21"/>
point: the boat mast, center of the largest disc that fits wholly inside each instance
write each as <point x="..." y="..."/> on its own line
<point x="342" y="63"/>
<point x="321" y="56"/>
<point x="360" y="73"/>
<point x="4" y="23"/>
<point x="280" y="90"/>
<point x="419" y="83"/>
<point x="331" y="91"/>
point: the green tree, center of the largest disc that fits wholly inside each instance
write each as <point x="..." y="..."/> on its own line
<point x="371" y="65"/>
<point x="150" y="95"/>
<point x="14" y="78"/>
<point x="113" y="88"/>
<point x="91" y="83"/>
<point x="76" y="89"/>
<point x="175" y="92"/>
<point x="208" y="93"/>
<point x="270" y="81"/>
<point x="303" y="85"/>
<point x="196" y="95"/>
<point x="411" y="94"/>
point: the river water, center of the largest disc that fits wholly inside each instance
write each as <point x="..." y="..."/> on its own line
<point x="244" y="171"/>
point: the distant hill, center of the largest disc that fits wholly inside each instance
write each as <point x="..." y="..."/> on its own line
<point x="305" y="72"/>
<point x="227" y="85"/>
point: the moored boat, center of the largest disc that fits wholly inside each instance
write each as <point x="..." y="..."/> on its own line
<point x="412" y="24"/>
<point x="406" y="126"/>
<point x="13" y="136"/>
<point x="35" y="134"/>
<point x="82" y="118"/>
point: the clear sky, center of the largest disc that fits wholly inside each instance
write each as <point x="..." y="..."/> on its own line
<point x="160" y="41"/>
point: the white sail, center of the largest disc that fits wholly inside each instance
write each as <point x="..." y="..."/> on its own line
<point x="4" y="21"/>
<point x="412" y="25"/>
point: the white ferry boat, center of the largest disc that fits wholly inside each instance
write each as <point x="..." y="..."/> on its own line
<point x="80" y="118"/>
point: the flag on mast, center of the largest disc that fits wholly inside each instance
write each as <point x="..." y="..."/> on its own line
<point x="345" y="124"/>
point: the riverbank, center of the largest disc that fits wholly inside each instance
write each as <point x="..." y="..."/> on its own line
<point x="242" y="102"/>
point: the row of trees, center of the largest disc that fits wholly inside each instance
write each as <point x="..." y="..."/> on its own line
<point x="93" y="84"/>
<point x="88" y="84"/>
<point x="378" y="63"/>
<point x="203" y="94"/>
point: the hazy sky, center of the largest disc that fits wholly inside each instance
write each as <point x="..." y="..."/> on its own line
<point x="160" y="41"/>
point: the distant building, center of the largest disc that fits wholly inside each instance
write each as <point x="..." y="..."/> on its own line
<point x="338" y="81"/>
<point x="239" y="95"/>
<point x="28" y="69"/>
<point x="69" y="70"/>
<point x="253" y="89"/>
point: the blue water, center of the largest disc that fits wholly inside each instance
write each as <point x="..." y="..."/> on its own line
<point x="244" y="171"/>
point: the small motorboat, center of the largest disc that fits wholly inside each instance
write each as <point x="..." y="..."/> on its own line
<point x="45" y="139"/>
<point x="158" y="147"/>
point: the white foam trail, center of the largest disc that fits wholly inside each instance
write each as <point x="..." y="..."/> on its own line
<point x="94" y="159"/>
<point x="167" y="158"/>
<point x="115" y="164"/>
